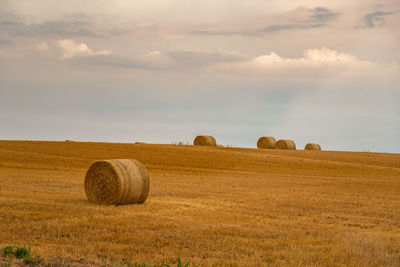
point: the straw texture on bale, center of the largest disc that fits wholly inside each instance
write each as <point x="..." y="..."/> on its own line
<point x="204" y="140"/>
<point x="312" y="146"/>
<point x="117" y="182"/>
<point x="285" y="144"/>
<point x="266" y="142"/>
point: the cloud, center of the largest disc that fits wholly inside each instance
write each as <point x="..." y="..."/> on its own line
<point x="298" y="19"/>
<point x="315" y="62"/>
<point x="323" y="14"/>
<point x="376" y="19"/>
<point x="260" y="32"/>
<point x="154" y="53"/>
<point x="69" y="49"/>
<point x="5" y="42"/>
<point x="194" y="58"/>
<point x="43" y="47"/>
<point x="47" y="28"/>
<point x="320" y="63"/>
<point x="9" y="23"/>
<point x="155" y="60"/>
<point x="116" y="61"/>
<point x="304" y="19"/>
<point x="282" y="27"/>
<point x="221" y="33"/>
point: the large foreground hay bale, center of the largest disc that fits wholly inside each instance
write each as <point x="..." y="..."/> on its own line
<point x="117" y="182"/>
<point x="267" y="142"/>
<point x="204" y="140"/>
<point x="312" y="146"/>
<point x="285" y="144"/>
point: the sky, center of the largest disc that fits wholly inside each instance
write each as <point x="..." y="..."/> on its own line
<point x="165" y="71"/>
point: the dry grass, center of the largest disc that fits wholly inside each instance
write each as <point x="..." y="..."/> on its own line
<point x="208" y="205"/>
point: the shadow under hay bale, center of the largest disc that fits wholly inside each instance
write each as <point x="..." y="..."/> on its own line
<point x="312" y="146"/>
<point x="266" y="142"/>
<point x="117" y="182"/>
<point x="285" y="144"/>
<point x="204" y="140"/>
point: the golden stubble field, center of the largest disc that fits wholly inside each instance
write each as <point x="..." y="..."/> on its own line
<point x="210" y="206"/>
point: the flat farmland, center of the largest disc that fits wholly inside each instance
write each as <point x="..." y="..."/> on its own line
<point x="210" y="206"/>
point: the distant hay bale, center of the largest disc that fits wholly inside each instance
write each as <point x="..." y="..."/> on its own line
<point x="267" y="142"/>
<point x="204" y="140"/>
<point x="140" y="143"/>
<point x="285" y="144"/>
<point x="117" y="182"/>
<point x="312" y="146"/>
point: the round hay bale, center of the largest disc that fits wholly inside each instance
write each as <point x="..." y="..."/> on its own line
<point x="312" y="146"/>
<point x="267" y="142"/>
<point x="204" y="140"/>
<point x="117" y="182"/>
<point x="285" y="144"/>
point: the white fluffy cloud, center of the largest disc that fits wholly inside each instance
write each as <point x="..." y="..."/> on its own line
<point x="69" y="49"/>
<point x="321" y="61"/>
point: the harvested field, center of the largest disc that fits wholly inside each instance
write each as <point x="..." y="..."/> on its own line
<point x="210" y="206"/>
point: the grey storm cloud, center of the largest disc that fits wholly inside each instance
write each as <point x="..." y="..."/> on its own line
<point x="372" y="19"/>
<point x="52" y="28"/>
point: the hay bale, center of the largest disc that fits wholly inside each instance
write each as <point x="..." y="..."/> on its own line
<point x="285" y="144"/>
<point x="312" y="146"/>
<point x="204" y="140"/>
<point x="117" y="182"/>
<point x="267" y="142"/>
